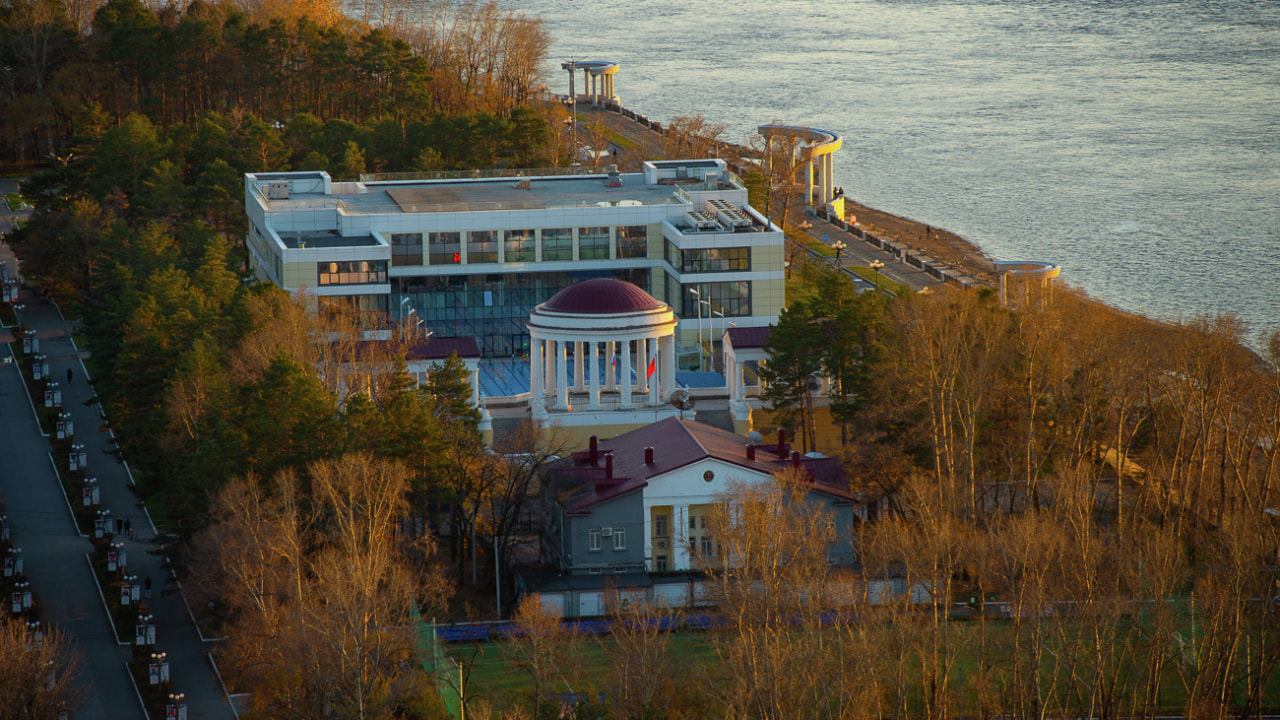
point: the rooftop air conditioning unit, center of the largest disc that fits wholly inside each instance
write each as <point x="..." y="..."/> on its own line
<point x="278" y="190"/>
<point x="606" y="532"/>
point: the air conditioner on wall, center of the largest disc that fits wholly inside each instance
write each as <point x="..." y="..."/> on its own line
<point x="606" y="532"/>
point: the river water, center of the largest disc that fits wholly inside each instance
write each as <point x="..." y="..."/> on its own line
<point x="1134" y="142"/>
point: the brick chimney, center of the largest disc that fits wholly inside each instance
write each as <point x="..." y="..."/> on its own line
<point x="595" y="449"/>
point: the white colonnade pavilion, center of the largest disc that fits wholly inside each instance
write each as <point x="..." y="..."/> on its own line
<point x="618" y="342"/>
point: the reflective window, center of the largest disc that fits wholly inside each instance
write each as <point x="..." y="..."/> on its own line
<point x="593" y="243"/>
<point x="353" y="272"/>
<point x="444" y="248"/>
<point x="733" y="299"/>
<point x="557" y="244"/>
<point x="715" y="260"/>
<point x="518" y="246"/>
<point x="406" y="249"/>
<point x="482" y="246"/>
<point x="633" y="241"/>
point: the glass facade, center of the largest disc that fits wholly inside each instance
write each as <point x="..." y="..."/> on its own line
<point x="493" y="308"/>
<point x="731" y="298"/>
<point x="557" y="244"/>
<point x="709" y="259"/>
<point x="354" y="272"/>
<point x="518" y="246"/>
<point x="444" y="248"/>
<point x="482" y="246"/>
<point x="593" y="243"/>
<point x="633" y="241"/>
<point x="406" y="249"/>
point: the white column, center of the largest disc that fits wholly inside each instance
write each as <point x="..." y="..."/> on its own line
<point x="535" y="375"/>
<point x="656" y="380"/>
<point x="642" y="384"/>
<point x="667" y="366"/>
<point x="577" y="366"/>
<point x="610" y="370"/>
<point x="624" y="378"/>
<point x="680" y="537"/>
<point x="594" y="399"/>
<point x="475" y="386"/>
<point x="562" y="379"/>
<point x="548" y="367"/>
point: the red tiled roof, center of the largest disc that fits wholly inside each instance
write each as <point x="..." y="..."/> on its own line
<point x="601" y="296"/>
<point x="678" y="443"/>
<point x="749" y="337"/>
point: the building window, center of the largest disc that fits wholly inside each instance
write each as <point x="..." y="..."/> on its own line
<point x="518" y="246"/>
<point x="707" y="549"/>
<point x="557" y="244"/>
<point x="354" y="272"/>
<point x="593" y="541"/>
<point x="444" y="248"/>
<point x="711" y="260"/>
<point x="619" y="538"/>
<point x="733" y="299"/>
<point x="633" y="241"/>
<point x="660" y="563"/>
<point x="482" y="246"/>
<point x="406" y="248"/>
<point x="593" y="243"/>
<point x="660" y="526"/>
<point x="693" y="522"/>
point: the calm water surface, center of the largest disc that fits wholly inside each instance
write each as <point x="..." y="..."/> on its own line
<point x="1136" y="143"/>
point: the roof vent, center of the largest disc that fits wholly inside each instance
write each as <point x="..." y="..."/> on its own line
<point x="782" y="443"/>
<point x="614" y="180"/>
<point x="278" y="190"/>
<point x="608" y="466"/>
<point x="595" y="449"/>
<point x="648" y="456"/>
<point x="795" y="459"/>
<point x="751" y="452"/>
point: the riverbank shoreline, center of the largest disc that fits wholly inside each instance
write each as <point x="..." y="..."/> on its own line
<point x="943" y="246"/>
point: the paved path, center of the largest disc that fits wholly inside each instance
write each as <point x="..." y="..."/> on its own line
<point x="859" y="253"/>
<point x="54" y="551"/>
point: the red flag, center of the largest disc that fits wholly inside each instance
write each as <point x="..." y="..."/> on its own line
<point x="653" y="367"/>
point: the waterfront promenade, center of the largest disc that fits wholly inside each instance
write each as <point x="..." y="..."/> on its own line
<point x="54" y="551"/>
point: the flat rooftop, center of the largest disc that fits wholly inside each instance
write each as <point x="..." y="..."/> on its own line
<point x="496" y="194"/>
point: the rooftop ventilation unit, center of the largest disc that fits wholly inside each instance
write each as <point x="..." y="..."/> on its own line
<point x="614" y="180"/>
<point x="278" y="190"/>
<point x="702" y="221"/>
<point x="727" y="214"/>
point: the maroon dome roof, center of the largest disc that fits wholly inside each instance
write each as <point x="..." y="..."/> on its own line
<point x="602" y="296"/>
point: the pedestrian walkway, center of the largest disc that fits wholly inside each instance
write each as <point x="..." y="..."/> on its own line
<point x="55" y="552"/>
<point x="856" y="252"/>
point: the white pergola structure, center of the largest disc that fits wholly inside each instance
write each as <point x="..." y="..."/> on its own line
<point x="813" y="157"/>
<point x="613" y="334"/>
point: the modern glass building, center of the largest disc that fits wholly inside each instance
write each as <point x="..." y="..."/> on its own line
<point x="470" y="255"/>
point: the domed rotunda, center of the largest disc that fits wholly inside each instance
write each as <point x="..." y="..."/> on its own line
<point x="599" y="349"/>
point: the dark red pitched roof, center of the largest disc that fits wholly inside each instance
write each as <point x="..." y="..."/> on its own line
<point x="749" y="337"/>
<point x="677" y="443"/>
<point x="600" y="296"/>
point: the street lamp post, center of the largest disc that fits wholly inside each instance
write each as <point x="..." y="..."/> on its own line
<point x="838" y="245"/>
<point x="698" y="305"/>
<point x="876" y="265"/>
<point x="720" y="313"/>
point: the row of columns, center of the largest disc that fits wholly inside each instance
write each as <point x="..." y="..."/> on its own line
<point x="549" y="370"/>
<point x="823" y="167"/>
<point x="599" y="87"/>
